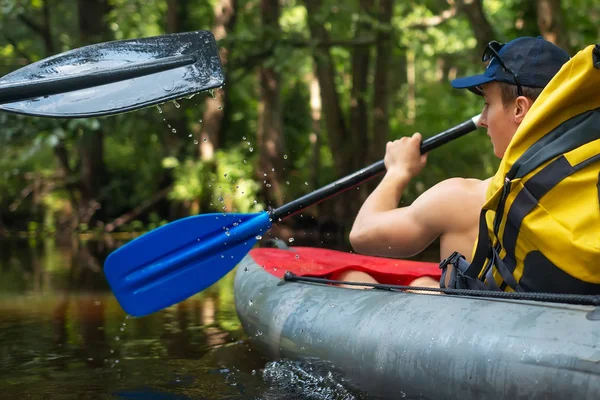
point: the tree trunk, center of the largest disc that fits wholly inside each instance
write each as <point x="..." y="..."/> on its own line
<point x="411" y="82"/>
<point x="93" y="174"/>
<point x="92" y="29"/>
<point x="483" y="31"/>
<point x="212" y="118"/>
<point x="381" y="126"/>
<point x="345" y="155"/>
<point x="358" y="140"/>
<point x="92" y="20"/>
<point x="3" y="230"/>
<point x="173" y="15"/>
<point x="334" y="118"/>
<point x="270" y="118"/>
<point x="315" y="135"/>
<point x="550" y="22"/>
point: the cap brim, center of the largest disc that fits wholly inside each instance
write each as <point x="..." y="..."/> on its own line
<point x="471" y="82"/>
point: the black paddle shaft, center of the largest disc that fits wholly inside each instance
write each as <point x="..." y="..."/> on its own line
<point x="23" y="90"/>
<point x="367" y="173"/>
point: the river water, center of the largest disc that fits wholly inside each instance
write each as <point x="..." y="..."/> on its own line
<point x="64" y="336"/>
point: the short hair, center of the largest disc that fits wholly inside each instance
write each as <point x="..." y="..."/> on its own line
<point x="510" y="93"/>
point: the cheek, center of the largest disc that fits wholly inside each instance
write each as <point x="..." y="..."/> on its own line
<point x="497" y="117"/>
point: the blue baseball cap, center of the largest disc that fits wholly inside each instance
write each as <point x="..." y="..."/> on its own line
<point x="534" y="61"/>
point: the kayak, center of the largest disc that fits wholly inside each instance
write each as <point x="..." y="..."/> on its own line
<point x="393" y="344"/>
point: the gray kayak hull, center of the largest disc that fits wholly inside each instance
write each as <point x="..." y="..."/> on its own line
<point x="392" y="345"/>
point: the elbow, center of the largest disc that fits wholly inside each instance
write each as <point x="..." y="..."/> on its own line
<point x="359" y="239"/>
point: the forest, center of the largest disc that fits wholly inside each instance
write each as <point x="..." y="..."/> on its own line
<point x="314" y="90"/>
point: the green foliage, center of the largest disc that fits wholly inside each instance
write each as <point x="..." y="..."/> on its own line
<point x="142" y="153"/>
<point x="227" y="182"/>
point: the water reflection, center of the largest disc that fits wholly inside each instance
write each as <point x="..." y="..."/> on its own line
<point x="63" y="334"/>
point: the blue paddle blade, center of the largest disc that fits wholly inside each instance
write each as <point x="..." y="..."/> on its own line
<point x="171" y="263"/>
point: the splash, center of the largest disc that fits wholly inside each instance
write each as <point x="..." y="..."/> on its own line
<point x="306" y="381"/>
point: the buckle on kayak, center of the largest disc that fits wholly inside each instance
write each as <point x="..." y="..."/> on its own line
<point x="452" y="259"/>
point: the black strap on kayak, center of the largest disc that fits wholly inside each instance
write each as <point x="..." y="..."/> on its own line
<point x="581" y="299"/>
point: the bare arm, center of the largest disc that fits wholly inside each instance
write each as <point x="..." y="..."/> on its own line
<point x="384" y="230"/>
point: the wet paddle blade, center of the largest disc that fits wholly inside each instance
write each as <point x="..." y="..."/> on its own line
<point x="114" y="77"/>
<point x="171" y="263"/>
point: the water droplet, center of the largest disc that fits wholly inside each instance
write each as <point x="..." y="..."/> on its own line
<point x="258" y="237"/>
<point x="287" y="182"/>
<point x="250" y="303"/>
<point x="111" y="351"/>
<point x="297" y="256"/>
<point x="268" y="185"/>
<point x="205" y="140"/>
<point x="255" y="202"/>
<point x="195" y="141"/>
<point x="245" y="162"/>
<point x="176" y="104"/>
<point x="220" y="107"/>
<point x="222" y="256"/>
<point x="243" y="137"/>
<point x="291" y="240"/>
<point x="190" y="135"/>
<point x="200" y="120"/>
<point x="174" y="130"/>
<point x="117" y="338"/>
<point x="253" y="372"/>
<point x="285" y="156"/>
<point x="245" y="269"/>
<point x="220" y="199"/>
<point x="227" y="233"/>
<point x="306" y="183"/>
<point x="159" y="109"/>
<point x="251" y="149"/>
<point x="225" y="175"/>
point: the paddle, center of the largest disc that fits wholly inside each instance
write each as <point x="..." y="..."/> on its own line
<point x="114" y="77"/>
<point x="177" y="260"/>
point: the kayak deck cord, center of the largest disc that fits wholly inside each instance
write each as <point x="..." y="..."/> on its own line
<point x="580" y="299"/>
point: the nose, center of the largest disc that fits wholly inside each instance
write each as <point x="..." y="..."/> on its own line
<point x="483" y="118"/>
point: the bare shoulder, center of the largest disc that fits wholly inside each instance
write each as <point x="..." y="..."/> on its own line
<point x="461" y="188"/>
<point x="453" y="202"/>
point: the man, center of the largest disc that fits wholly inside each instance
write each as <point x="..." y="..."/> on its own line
<point x="515" y="76"/>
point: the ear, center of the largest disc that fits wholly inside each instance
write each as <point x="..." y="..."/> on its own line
<point x="522" y="106"/>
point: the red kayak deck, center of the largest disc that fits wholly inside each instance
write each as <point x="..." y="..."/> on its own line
<point x="323" y="263"/>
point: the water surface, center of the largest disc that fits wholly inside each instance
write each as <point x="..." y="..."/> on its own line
<point x="64" y="336"/>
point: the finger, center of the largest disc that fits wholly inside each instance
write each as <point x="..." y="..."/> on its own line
<point x="417" y="136"/>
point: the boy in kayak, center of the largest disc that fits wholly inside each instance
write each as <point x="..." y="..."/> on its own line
<point x="515" y="76"/>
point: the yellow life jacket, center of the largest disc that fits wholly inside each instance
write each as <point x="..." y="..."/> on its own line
<point x="540" y="225"/>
